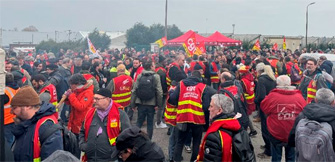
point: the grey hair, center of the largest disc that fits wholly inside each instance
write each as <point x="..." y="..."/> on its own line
<point x="223" y="102"/>
<point x="260" y="67"/>
<point x="283" y="80"/>
<point x="325" y="96"/>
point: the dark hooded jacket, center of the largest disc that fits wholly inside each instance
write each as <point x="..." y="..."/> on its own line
<point x="327" y="66"/>
<point x="318" y="112"/>
<point x="24" y="136"/>
<point x="317" y="75"/>
<point x="264" y="85"/>
<point x="59" y="82"/>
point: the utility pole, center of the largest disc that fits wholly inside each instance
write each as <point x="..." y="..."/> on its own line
<point x="233" y="29"/>
<point x="166" y="3"/>
<point x="307" y="21"/>
<point x="69" y="34"/>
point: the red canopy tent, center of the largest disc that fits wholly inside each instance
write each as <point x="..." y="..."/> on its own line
<point x="223" y="40"/>
<point x="181" y="39"/>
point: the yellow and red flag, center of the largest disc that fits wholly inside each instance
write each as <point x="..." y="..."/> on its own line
<point x="91" y="46"/>
<point x="191" y="47"/>
<point x="161" y="42"/>
<point x="257" y="46"/>
<point x="275" y="47"/>
<point x="284" y="43"/>
<point x="202" y="47"/>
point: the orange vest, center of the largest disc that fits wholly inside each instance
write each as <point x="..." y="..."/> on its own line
<point x="113" y="124"/>
<point x="170" y="113"/>
<point x="273" y="63"/>
<point x="37" y="143"/>
<point x="168" y="79"/>
<point x="190" y="104"/>
<point x="8" y="117"/>
<point x="215" y="78"/>
<point x="122" y="90"/>
<point x="311" y="90"/>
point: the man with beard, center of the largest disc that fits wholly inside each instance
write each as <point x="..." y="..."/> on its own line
<point x="312" y="80"/>
<point x="78" y="61"/>
<point x="97" y="73"/>
<point x="137" y="69"/>
<point x="47" y="91"/>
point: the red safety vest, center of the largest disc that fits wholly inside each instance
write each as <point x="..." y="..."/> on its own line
<point x="24" y="79"/>
<point x="311" y="90"/>
<point x="113" y="124"/>
<point x="53" y="93"/>
<point x="138" y="72"/>
<point x="192" y="64"/>
<point x="160" y="68"/>
<point x="8" y="117"/>
<point x="37" y="143"/>
<point x="249" y="94"/>
<point x="215" y="78"/>
<point x="122" y="90"/>
<point x="190" y="104"/>
<point x="170" y="113"/>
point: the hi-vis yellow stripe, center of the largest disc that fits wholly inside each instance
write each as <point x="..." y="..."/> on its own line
<point x="121" y="95"/>
<point x="170" y="116"/>
<point x="190" y="102"/>
<point x="37" y="159"/>
<point x="310" y="96"/>
<point x="112" y="141"/>
<point x="214" y="77"/>
<point x="170" y="109"/>
<point x="249" y="97"/>
<point x="311" y="89"/>
<point x="122" y="100"/>
<point x="189" y="110"/>
<point x="55" y="104"/>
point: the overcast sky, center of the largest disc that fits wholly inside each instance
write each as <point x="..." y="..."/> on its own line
<point x="270" y="17"/>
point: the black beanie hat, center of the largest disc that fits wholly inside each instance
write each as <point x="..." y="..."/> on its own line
<point x="197" y="67"/>
<point x="104" y="92"/>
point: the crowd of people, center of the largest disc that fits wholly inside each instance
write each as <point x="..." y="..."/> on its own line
<point x="95" y="97"/>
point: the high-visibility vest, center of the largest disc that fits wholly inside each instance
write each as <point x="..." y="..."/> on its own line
<point x="192" y="65"/>
<point x="138" y="72"/>
<point x="249" y="93"/>
<point x="8" y="117"/>
<point x="273" y="63"/>
<point x="168" y="78"/>
<point x="190" y="104"/>
<point x="53" y="93"/>
<point x="311" y="90"/>
<point x="122" y="90"/>
<point x="37" y="143"/>
<point x="215" y="77"/>
<point x="170" y="113"/>
<point x="113" y="124"/>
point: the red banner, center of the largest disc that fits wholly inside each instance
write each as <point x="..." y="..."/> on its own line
<point x="275" y="47"/>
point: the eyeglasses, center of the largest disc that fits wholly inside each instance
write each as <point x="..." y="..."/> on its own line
<point x="98" y="99"/>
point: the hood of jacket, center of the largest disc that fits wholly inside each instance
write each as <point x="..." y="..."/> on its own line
<point x="191" y="81"/>
<point x="227" y="84"/>
<point x="319" y="112"/>
<point x="88" y="85"/>
<point x="12" y="85"/>
<point x="288" y="90"/>
<point x="148" y="72"/>
<point x="229" y="122"/>
<point x="45" y="110"/>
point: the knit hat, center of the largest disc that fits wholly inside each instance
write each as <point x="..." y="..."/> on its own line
<point x="104" y="92"/>
<point x="197" y="67"/>
<point x="26" y="96"/>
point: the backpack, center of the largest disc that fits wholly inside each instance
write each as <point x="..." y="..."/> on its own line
<point x="242" y="148"/>
<point x="295" y="74"/>
<point x="145" y="89"/>
<point x="239" y="107"/>
<point x="313" y="141"/>
<point x="70" y="142"/>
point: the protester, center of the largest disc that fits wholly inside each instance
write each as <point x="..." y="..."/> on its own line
<point x="143" y="87"/>
<point x="85" y="71"/>
<point x="56" y="79"/>
<point x="134" y="145"/>
<point x="31" y="120"/>
<point x="102" y="124"/>
<point x="281" y="106"/>
<point x="47" y="91"/>
<point x="217" y="144"/>
<point x="192" y="98"/>
<point x="161" y="71"/>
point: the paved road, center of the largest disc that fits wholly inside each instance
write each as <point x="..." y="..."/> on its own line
<point x="162" y="139"/>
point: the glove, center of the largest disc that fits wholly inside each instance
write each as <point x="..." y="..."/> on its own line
<point x="68" y="92"/>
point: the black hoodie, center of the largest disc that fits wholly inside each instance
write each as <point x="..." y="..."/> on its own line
<point x="318" y="112"/>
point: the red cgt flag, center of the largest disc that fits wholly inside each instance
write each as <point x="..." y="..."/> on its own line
<point x="257" y="46"/>
<point x="275" y="47"/>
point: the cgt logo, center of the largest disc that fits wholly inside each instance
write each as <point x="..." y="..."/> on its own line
<point x="286" y="111"/>
<point x="190" y="88"/>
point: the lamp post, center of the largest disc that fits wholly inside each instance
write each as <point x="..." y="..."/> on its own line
<point x="233" y="28"/>
<point x="307" y="20"/>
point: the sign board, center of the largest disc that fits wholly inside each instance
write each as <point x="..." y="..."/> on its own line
<point x="2" y="72"/>
<point x="154" y="47"/>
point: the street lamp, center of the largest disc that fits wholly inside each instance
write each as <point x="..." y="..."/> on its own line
<point x="166" y="3"/>
<point x="233" y="28"/>
<point x="307" y="21"/>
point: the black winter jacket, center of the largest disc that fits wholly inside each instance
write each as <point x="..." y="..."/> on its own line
<point x="264" y="85"/>
<point x="162" y="76"/>
<point x="327" y="66"/>
<point x="176" y="74"/>
<point x="24" y="136"/>
<point x="318" y="112"/>
<point x="59" y="82"/>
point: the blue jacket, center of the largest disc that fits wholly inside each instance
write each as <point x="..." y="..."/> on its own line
<point x="24" y="136"/>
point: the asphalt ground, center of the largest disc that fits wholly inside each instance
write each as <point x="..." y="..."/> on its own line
<point x="162" y="139"/>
